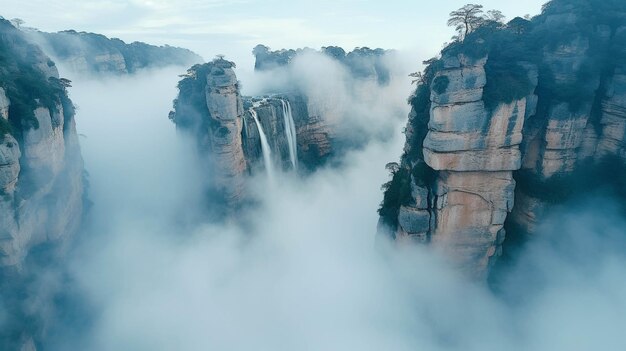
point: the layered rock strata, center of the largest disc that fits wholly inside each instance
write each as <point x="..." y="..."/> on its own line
<point x="474" y="152"/>
<point x="482" y="156"/>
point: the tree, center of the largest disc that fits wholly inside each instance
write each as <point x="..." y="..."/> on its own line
<point x="66" y="83"/>
<point x="17" y="22"/>
<point x="418" y="78"/>
<point x="519" y="25"/>
<point x="392" y="167"/>
<point x="496" y="16"/>
<point x="466" y="19"/>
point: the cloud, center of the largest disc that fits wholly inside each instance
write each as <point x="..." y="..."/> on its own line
<point x="301" y="271"/>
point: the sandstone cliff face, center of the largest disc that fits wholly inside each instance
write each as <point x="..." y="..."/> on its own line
<point x="313" y="135"/>
<point x="477" y="161"/>
<point x="565" y="136"/>
<point x="40" y="162"/>
<point x="41" y="173"/>
<point x="211" y="109"/>
<point x="473" y="151"/>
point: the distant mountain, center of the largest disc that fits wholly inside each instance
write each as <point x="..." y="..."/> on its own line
<point x="95" y="53"/>
<point x="361" y="62"/>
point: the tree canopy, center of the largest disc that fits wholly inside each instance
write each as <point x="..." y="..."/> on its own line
<point x="466" y="19"/>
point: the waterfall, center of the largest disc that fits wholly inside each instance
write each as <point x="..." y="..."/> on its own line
<point x="290" y="132"/>
<point x="265" y="147"/>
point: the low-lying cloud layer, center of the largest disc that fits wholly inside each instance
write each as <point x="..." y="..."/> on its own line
<point x="305" y="273"/>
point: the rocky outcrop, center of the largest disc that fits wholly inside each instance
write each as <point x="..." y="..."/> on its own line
<point x="41" y="165"/>
<point x="92" y="53"/>
<point x="41" y="176"/>
<point x="473" y="152"/>
<point x="494" y="139"/>
<point x="211" y="109"/>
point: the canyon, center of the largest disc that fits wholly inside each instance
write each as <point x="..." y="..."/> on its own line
<point x="508" y="125"/>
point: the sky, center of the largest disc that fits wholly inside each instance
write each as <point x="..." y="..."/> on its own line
<point x="234" y="27"/>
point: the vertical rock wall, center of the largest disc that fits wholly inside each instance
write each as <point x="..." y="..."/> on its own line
<point x="474" y="152"/>
<point x="41" y="182"/>
<point x="223" y="136"/>
<point x="476" y="167"/>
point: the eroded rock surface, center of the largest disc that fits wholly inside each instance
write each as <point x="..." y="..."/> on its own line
<point x="479" y="160"/>
<point x="41" y="180"/>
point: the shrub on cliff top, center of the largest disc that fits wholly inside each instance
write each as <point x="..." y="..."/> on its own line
<point x="26" y="86"/>
<point x="5" y="128"/>
<point x="397" y="192"/>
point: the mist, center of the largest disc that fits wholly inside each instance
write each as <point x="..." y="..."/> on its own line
<point x="305" y="272"/>
<point x="357" y="108"/>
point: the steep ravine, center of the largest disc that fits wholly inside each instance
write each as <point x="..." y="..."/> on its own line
<point x="504" y="126"/>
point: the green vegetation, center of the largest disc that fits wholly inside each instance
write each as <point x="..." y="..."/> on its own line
<point x="420" y="104"/>
<point x="514" y="47"/>
<point x="190" y="109"/>
<point x="609" y="175"/>
<point x="423" y="175"/>
<point x="515" y="52"/>
<point x="5" y="128"/>
<point x="505" y="84"/>
<point x="136" y="55"/>
<point x="25" y="84"/>
<point x="397" y="192"/>
<point x="507" y="78"/>
<point x="473" y="47"/>
<point x="440" y="84"/>
<point x="466" y="19"/>
<point x="190" y="106"/>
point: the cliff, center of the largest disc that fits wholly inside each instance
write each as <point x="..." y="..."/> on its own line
<point x="313" y="137"/>
<point x="211" y="109"/>
<point x="96" y="54"/>
<point x="504" y="125"/>
<point x="41" y="175"/>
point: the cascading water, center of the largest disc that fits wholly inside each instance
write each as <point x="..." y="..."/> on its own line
<point x="290" y="132"/>
<point x="265" y="147"/>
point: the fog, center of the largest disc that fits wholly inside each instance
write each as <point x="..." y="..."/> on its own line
<point x="151" y="274"/>
<point x="357" y="108"/>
